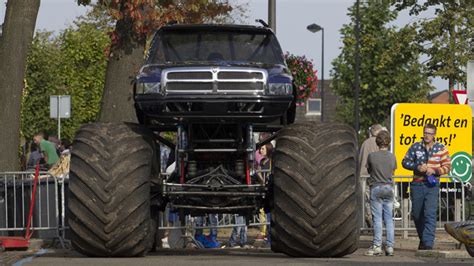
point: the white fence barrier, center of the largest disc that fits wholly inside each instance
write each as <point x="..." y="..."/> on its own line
<point x="49" y="209"/>
<point x="49" y="216"/>
<point x="451" y="203"/>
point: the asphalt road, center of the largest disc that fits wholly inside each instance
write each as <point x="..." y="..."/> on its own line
<point x="231" y="257"/>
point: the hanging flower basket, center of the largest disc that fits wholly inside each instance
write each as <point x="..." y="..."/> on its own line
<point x="305" y="80"/>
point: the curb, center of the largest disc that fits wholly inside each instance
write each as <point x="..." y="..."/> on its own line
<point x="452" y="254"/>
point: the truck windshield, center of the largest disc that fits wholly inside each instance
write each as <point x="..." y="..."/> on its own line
<point x="193" y="46"/>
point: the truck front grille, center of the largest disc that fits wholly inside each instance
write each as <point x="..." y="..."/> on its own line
<point x="214" y="80"/>
<point x="188" y="86"/>
<point x="239" y="75"/>
<point x="189" y="75"/>
<point x="236" y="86"/>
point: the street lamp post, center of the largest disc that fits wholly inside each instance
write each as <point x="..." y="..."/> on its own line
<point x="357" y="69"/>
<point x="272" y="14"/>
<point x="315" y="28"/>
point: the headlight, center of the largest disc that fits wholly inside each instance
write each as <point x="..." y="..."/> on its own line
<point x="147" y="88"/>
<point x="280" y="89"/>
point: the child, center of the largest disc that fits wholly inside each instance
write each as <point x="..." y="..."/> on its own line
<point x="265" y="166"/>
<point x="381" y="166"/>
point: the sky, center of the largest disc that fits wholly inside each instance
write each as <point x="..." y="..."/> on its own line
<point x="292" y="18"/>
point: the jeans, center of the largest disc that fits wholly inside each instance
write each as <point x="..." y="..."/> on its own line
<point x="381" y="204"/>
<point x="238" y="230"/>
<point x="424" y="201"/>
<point x="212" y="222"/>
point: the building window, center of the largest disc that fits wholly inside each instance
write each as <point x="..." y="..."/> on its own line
<point x="313" y="106"/>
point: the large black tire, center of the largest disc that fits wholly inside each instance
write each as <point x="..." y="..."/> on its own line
<point x="315" y="194"/>
<point x="109" y="191"/>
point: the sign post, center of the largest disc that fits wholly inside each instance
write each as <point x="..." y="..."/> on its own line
<point x="59" y="107"/>
<point x="470" y="84"/>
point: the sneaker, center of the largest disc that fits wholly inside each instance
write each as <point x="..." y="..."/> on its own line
<point x="421" y="246"/>
<point x="164" y="243"/>
<point x="260" y="237"/>
<point x="374" y="251"/>
<point x="389" y="251"/>
<point x="247" y="246"/>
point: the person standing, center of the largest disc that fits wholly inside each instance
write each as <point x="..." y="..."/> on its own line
<point x="381" y="166"/>
<point x="48" y="149"/>
<point x="238" y="231"/>
<point x="367" y="147"/>
<point x="34" y="158"/>
<point x="428" y="159"/>
<point x="264" y="167"/>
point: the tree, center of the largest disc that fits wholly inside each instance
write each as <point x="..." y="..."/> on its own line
<point x="447" y="39"/>
<point x="390" y="71"/>
<point x="18" y="29"/>
<point x="135" y="21"/>
<point x="72" y="63"/>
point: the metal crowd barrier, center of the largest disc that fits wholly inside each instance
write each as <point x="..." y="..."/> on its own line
<point x="49" y="210"/>
<point x="451" y="203"/>
<point x="223" y="221"/>
<point x="49" y="216"/>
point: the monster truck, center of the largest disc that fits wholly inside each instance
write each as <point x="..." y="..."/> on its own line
<point x="215" y="86"/>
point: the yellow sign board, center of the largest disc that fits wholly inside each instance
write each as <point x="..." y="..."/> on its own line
<point x="454" y="130"/>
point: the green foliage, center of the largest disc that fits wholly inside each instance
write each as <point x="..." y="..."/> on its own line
<point x="42" y="72"/>
<point x="305" y="80"/>
<point x="389" y="69"/>
<point x="70" y="64"/>
<point x="447" y="39"/>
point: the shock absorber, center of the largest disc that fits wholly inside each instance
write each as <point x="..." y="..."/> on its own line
<point x="192" y="168"/>
<point x="181" y="153"/>
<point x="239" y="168"/>
<point x="250" y="154"/>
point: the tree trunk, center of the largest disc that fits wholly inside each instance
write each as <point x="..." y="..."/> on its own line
<point x="18" y="29"/>
<point x="124" y="64"/>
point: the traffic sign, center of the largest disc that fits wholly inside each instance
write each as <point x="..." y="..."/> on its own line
<point x="460" y="96"/>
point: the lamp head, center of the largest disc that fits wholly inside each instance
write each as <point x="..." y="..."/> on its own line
<point x="314" y="28"/>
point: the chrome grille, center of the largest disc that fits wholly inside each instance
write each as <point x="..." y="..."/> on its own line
<point x="214" y="80"/>
<point x="239" y="75"/>
<point x="176" y="86"/>
<point x="190" y="75"/>
<point x="237" y="86"/>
